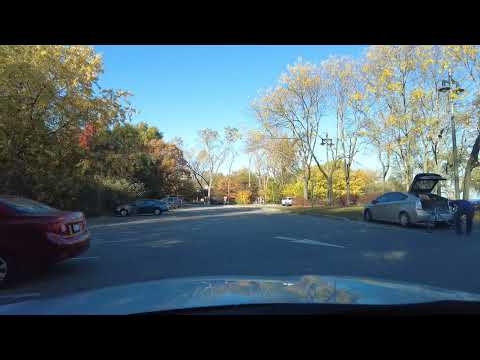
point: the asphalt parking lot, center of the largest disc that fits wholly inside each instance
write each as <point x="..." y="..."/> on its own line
<point x="256" y="241"/>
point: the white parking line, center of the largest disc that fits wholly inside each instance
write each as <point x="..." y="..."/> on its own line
<point x="315" y="242"/>
<point x="85" y="258"/>
<point x="308" y="241"/>
<point x="19" y="296"/>
<point x="285" y="238"/>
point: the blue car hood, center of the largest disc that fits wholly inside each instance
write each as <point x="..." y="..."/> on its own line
<point x="181" y="293"/>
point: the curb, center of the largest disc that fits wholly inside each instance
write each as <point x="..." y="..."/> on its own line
<point x="334" y="217"/>
<point x="339" y="218"/>
<point x="327" y="216"/>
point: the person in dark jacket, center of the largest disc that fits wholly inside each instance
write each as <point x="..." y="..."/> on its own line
<point x="463" y="208"/>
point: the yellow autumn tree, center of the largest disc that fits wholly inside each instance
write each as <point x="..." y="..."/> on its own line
<point x="244" y="197"/>
<point x="293" y="108"/>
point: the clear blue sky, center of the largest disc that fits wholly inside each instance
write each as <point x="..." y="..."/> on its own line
<point x="181" y="89"/>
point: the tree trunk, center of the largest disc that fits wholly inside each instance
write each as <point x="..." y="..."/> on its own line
<point x="265" y="189"/>
<point x="312" y="196"/>
<point x="384" y="175"/>
<point x="273" y="193"/>
<point x="348" y="190"/>
<point x="209" y="190"/>
<point x="471" y="164"/>
<point x="305" y="188"/>
<point x="408" y="178"/>
<point x="330" y="190"/>
<point x="249" y="173"/>
<point x="99" y="200"/>
<point x="466" y="181"/>
<point x="346" y="172"/>
<point x="228" y="188"/>
<point x="306" y="180"/>
<point x="259" y="186"/>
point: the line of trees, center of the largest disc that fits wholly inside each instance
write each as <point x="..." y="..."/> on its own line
<point x="386" y="103"/>
<point x="214" y="151"/>
<point x="67" y="142"/>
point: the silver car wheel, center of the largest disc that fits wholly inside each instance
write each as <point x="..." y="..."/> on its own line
<point x="157" y="212"/>
<point x="3" y="269"/>
<point x="124" y="212"/>
<point x="404" y="220"/>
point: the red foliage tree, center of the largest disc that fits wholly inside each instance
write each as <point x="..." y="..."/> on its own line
<point x="86" y="136"/>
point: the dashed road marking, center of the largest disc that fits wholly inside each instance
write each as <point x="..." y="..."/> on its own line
<point x="285" y="238"/>
<point x="320" y="243"/>
<point x="308" y="241"/>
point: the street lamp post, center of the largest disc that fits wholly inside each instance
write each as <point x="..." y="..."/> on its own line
<point x="454" y="146"/>
<point x="326" y="141"/>
<point x="447" y="88"/>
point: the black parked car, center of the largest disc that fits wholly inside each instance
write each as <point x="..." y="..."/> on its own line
<point x="142" y="206"/>
<point x="216" y="202"/>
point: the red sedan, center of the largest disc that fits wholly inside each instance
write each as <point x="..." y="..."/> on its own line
<point x="33" y="235"/>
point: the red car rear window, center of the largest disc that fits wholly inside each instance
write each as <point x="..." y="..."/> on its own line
<point x="26" y="206"/>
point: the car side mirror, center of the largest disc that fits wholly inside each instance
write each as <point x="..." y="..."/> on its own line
<point x="374" y="201"/>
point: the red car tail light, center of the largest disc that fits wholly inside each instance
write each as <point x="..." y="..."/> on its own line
<point x="58" y="228"/>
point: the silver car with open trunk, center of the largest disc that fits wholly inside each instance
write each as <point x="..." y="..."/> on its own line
<point x="417" y="206"/>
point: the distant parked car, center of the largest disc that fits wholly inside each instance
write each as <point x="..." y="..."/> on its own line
<point x="416" y="206"/>
<point x="216" y="202"/>
<point x="141" y="207"/>
<point x="33" y="235"/>
<point x="172" y="202"/>
<point x="288" y="201"/>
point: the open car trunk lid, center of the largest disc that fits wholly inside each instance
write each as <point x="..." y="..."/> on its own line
<point x="424" y="183"/>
